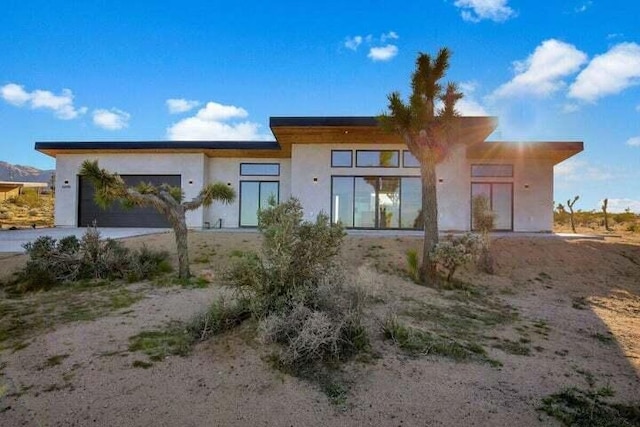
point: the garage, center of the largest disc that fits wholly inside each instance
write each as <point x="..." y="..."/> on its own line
<point x="117" y="216"/>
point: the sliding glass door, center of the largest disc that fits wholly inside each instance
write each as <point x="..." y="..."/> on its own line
<point x="500" y="197"/>
<point x="376" y="201"/>
<point x="254" y="195"/>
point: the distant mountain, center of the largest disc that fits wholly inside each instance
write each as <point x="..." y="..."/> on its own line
<point x="9" y="172"/>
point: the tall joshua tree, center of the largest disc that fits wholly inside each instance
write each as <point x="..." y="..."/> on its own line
<point x="427" y="132"/>
<point x="167" y="199"/>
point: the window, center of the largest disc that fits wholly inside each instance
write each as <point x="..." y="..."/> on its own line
<point x="376" y="201"/>
<point x="341" y="158"/>
<point x="492" y="171"/>
<point x="254" y="196"/>
<point x="409" y="160"/>
<point x="377" y="159"/>
<point x="260" y="169"/>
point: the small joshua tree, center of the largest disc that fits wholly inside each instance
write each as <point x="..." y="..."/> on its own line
<point x="483" y="221"/>
<point x="110" y="187"/>
<point x="570" y="204"/>
<point x="605" y="202"/>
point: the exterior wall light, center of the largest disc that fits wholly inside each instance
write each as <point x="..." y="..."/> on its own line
<point x="315" y="179"/>
<point x="526" y="186"/>
<point x="190" y="182"/>
<point x="440" y="180"/>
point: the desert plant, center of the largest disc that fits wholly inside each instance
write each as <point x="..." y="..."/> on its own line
<point x="110" y="187"/>
<point x="570" y="204"/>
<point x="456" y="251"/>
<point x="605" y="202"/>
<point x="219" y="317"/>
<point x="53" y="262"/>
<point x="426" y="130"/>
<point x="296" y="290"/>
<point x="484" y="221"/>
<point x="413" y="265"/>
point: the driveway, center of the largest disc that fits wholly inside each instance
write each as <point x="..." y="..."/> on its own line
<point x="13" y="240"/>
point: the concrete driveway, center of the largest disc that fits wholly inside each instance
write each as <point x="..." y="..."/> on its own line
<point x="12" y="240"/>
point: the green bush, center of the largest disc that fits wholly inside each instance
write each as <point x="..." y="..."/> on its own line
<point x="53" y="262"/>
<point x="453" y="252"/>
<point x="296" y="290"/>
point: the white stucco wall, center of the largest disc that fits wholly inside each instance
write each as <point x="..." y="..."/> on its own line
<point x="533" y="195"/>
<point x="190" y="166"/>
<point x="227" y="170"/>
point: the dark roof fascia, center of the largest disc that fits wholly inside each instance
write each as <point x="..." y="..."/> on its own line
<point x="157" y="145"/>
<point x="365" y="121"/>
<point x="554" y="145"/>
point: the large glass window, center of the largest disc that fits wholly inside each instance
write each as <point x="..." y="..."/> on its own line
<point x="492" y="171"/>
<point x="376" y="201"/>
<point x="411" y="203"/>
<point x="409" y="160"/>
<point x="500" y="198"/>
<point x="342" y="200"/>
<point x="377" y="159"/>
<point x="255" y="195"/>
<point x="260" y="169"/>
<point x="341" y="158"/>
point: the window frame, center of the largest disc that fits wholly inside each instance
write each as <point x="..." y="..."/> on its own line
<point x="379" y="151"/>
<point x="491" y="175"/>
<point x="342" y="151"/>
<point x="259" y="164"/>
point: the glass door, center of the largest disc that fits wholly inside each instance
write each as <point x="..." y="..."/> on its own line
<point x="500" y="197"/>
<point x="255" y="195"/>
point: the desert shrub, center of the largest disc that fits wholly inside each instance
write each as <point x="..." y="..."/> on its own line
<point x="484" y="221"/>
<point x="634" y="228"/>
<point x="34" y="212"/>
<point x="219" y="317"/>
<point x="297" y="291"/>
<point x="6" y="215"/>
<point x="413" y="265"/>
<point x="453" y="252"/>
<point x="28" y="199"/>
<point x="53" y="262"/>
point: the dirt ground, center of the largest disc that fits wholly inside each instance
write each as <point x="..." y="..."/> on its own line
<point x="573" y="310"/>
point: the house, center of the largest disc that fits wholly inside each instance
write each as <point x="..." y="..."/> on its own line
<point x="9" y="189"/>
<point x="348" y="167"/>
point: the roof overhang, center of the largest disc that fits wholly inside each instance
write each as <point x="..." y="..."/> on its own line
<point x="362" y="130"/>
<point x="556" y="151"/>
<point x="209" y="148"/>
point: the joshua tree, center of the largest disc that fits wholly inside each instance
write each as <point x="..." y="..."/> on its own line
<point x="605" y="202"/>
<point x="166" y="199"/>
<point x="570" y="204"/>
<point x="426" y="131"/>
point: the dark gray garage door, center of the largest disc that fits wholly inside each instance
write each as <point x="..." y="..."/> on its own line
<point x="117" y="216"/>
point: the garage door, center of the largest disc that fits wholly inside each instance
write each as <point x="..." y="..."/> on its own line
<point x="117" y="216"/>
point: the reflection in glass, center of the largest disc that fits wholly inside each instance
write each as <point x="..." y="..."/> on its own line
<point x="364" y="206"/>
<point x="342" y="199"/>
<point x="341" y="158"/>
<point x="389" y="202"/>
<point x="411" y="203"/>
<point x="254" y="195"/>
<point x="377" y="158"/>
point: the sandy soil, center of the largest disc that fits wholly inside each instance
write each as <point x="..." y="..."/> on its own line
<point x="578" y="305"/>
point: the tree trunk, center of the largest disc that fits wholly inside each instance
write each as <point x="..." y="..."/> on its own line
<point x="430" y="216"/>
<point x="180" y="230"/>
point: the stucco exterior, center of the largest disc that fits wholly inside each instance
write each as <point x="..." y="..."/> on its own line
<point x="303" y="151"/>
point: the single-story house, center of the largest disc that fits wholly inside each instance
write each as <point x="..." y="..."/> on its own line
<point x="348" y="167"/>
<point x="9" y="189"/>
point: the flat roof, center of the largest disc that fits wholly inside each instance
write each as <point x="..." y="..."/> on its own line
<point x="290" y="130"/>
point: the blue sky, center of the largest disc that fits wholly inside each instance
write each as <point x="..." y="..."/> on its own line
<point x="149" y="70"/>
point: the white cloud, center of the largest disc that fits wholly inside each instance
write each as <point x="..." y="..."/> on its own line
<point x="468" y="105"/>
<point x="570" y="108"/>
<point x="180" y="105"/>
<point x="391" y="35"/>
<point x="634" y="141"/>
<point x="609" y="73"/>
<point x="113" y="119"/>
<point x="477" y="10"/>
<point x="353" y="42"/>
<point x="61" y="105"/>
<point x="620" y="205"/>
<point x="384" y="53"/>
<point x="583" y="7"/>
<point x="580" y="170"/>
<point x="542" y="72"/>
<point x="215" y="122"/>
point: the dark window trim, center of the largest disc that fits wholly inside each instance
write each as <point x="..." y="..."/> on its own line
<point x="491" y="202"/>
<point x="342" y="151"/>
<point x="353" y="214"/>
<point x="259" y="174"/>
<point x="403" y="162"/>
<point x="259" y="194"/>
<point x="491" y="176"/>
<point x="378" y="151"/>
